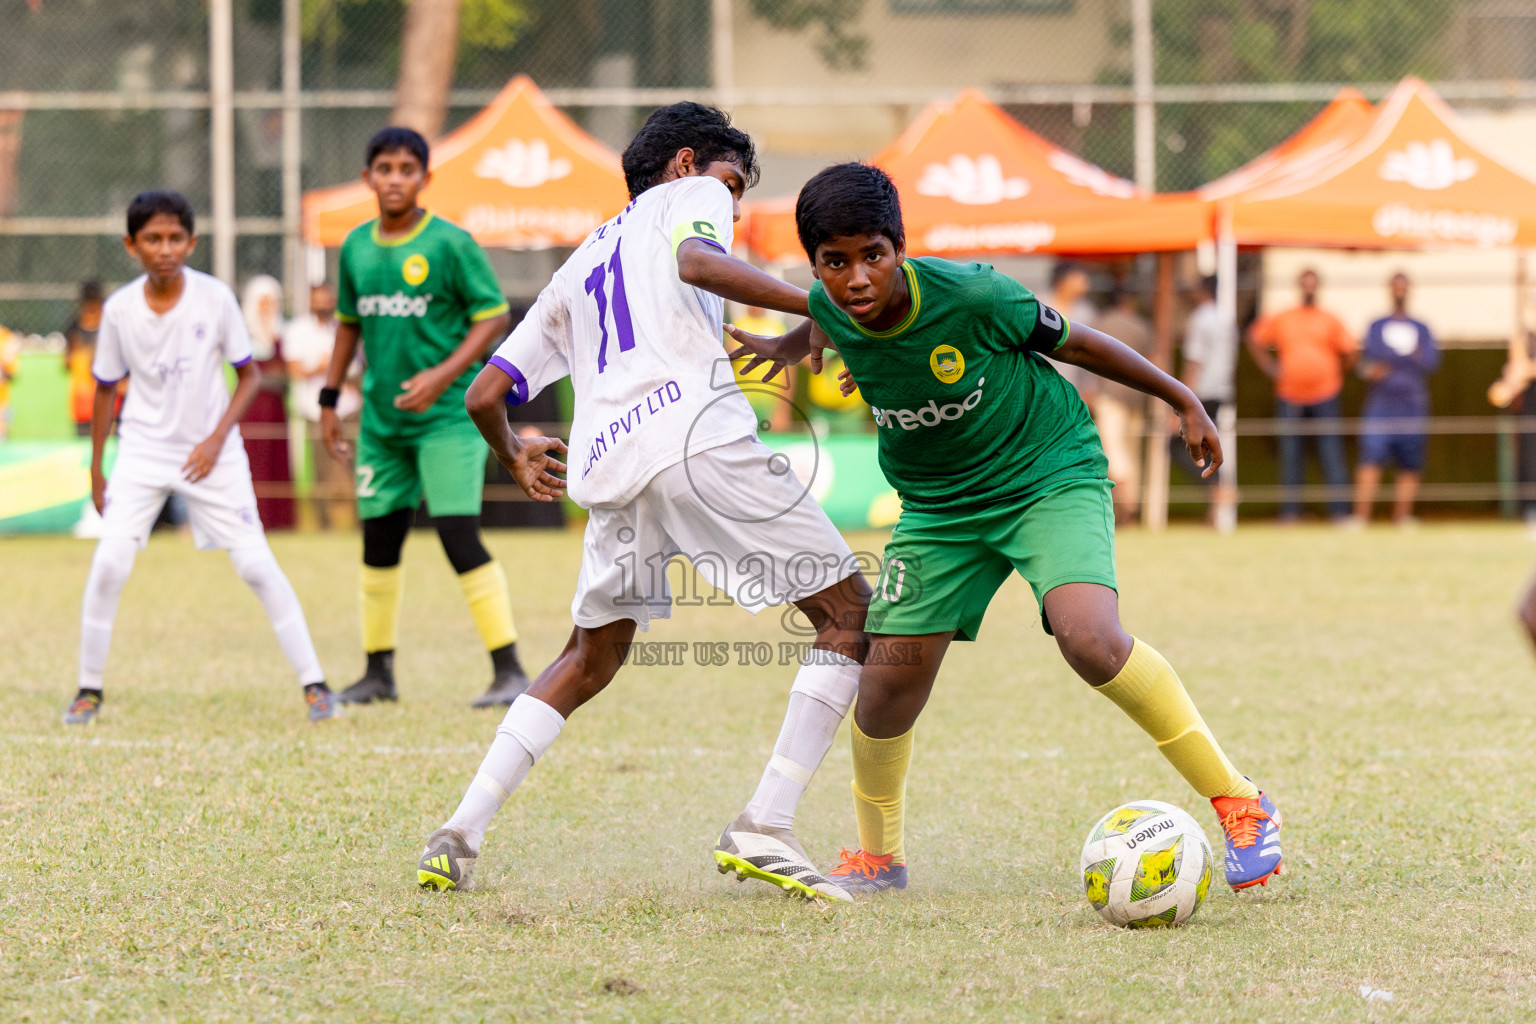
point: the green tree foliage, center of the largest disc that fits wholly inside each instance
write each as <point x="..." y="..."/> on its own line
<point x="486" y="24"/>
<point x="1241" y="41"/>
<point x="839" y="48"/>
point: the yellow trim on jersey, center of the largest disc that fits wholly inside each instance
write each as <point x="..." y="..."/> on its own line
<point x="701" y="229"/>
<point x="1066" y="329"/>
<point x="405" y="239"/>
<point x="488" y="313"/>
<point x="347" y="318"/>
<point x="909" y="319"/>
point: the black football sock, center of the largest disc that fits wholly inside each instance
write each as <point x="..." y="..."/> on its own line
<point x="504" y="660"/>
<point x="381" y="663"/>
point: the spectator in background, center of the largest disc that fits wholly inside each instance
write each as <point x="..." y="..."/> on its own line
<point x="10" y="362"/>
<point x="1513" y="390"/>
<point x="1070" y="285"/>
<point x="1400" y="354"/>
<point x="267" y="442"/>
<point x="79" y="350"/>
<point x="1306" y="352"/>
<point x="1119" y="411"/>
<point x="307" y="345"/>
<point x="1210" y="371"/>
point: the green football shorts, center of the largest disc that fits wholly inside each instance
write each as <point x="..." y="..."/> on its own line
<point x="942" y="568"/>
<point x="447" y="463"/>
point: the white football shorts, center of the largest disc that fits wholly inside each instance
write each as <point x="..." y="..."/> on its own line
<point x="737" y="512"/>
<point x="222" y="505"/>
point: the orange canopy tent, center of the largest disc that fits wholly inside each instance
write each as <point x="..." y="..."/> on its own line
<point x="974" y="180"/>
<point x="518" y="175"/>
<point x="1413" y="179"/>
<point x="1346" y="117"/>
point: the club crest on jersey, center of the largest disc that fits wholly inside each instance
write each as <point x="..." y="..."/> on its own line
<point x="948" y="363"/>
<point x="415" y="269"/>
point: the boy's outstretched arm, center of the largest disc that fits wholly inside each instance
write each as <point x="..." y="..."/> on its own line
<point x="704" y="266"/>
<point x="529" y="460"/>
<point x="1098" y="353"/>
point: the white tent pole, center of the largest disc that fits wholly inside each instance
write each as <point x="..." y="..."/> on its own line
<point x="1226" y="309"/>
<point x="1146" y="109"/>
<point x="295" y="261"/>
<point x="1226" y="265"/>
<point x="722" y="51"/>
<point x="221" y="89"/>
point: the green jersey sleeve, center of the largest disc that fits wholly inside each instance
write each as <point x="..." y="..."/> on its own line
<point x="346" y="283"/>
<point x="475" y="282"/>
<point x="1022" y="321"/>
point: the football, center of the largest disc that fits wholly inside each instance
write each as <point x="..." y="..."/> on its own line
<point x="1146" y="864"/>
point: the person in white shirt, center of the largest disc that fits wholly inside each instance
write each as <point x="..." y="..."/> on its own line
<point x="172" y="329"/>
<point x="307" y="345"/>
<point x="1210" y="371"/>
<point x="664" y="453"/>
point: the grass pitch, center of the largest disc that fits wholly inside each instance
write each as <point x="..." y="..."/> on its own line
<point x="203" y="853"/>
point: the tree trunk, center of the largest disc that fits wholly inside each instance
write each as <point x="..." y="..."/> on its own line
<point x="429" y="46"/>
<point x="10" y="158"/>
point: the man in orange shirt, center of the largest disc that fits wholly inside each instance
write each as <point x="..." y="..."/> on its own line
<point x="1306" y="352"/>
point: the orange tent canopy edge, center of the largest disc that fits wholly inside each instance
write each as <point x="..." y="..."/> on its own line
<point x="519" y="174"/>
<point x="974" y="180"/>
<point x="1414" y="179"/>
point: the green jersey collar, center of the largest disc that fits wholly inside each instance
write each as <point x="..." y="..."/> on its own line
<point x="405" y="239"/>
<point x="906" y="321"/>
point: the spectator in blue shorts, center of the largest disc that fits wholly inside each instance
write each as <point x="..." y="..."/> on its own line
<point x="1400" y="354"/>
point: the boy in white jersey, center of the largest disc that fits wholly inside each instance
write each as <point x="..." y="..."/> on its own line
<point x="666" y="458"/>
<point x="171" y="330"/>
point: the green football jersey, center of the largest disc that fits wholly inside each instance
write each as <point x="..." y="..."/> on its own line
<point x="415" y="297"/>
<point x="968" y="411"/>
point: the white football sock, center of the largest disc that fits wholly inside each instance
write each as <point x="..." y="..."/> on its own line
<point x="110" y="567"/>
<point x="521" y="739"/>
<point x="818" y="702"/>
<point x="258" y="567"/>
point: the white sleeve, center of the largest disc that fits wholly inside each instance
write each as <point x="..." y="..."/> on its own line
<point x="702" y="208"/>
<point x="107" y="366"/>
<point x="236" y="341"/>
<point x="535" y="353"/>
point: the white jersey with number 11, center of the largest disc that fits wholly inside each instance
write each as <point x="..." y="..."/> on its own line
<point x="641" y="347"/>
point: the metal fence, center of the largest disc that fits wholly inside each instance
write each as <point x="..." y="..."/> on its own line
<point x="241" y="104"/>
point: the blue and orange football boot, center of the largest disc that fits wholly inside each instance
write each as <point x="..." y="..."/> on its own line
<point x="84" y="708"/>
<point x="864" y="874"/>
<point x="1251" y="826"/>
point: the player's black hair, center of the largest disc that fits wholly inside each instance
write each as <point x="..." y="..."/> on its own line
<point x="705" y="130"/>
<point x="158" y="200"/>
<point x="1062" y="269"/>
<point x="387" y="140"/>
<point x="90" y="291"/>
<point x="848" y="199"/>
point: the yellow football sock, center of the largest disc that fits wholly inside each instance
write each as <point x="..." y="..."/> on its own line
<point x="1148" y="689"/>
<point x="880" y="790"/>
<point x="490" y="603"/>
<point x="381" y="606"/>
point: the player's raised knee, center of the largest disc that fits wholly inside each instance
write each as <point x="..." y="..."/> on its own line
<point x="1095" y="650"/>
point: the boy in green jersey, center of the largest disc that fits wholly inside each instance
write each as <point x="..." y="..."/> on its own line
<point x="424" y="299"/>
<point x="999" y="470"/>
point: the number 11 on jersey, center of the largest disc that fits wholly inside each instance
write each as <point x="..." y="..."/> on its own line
<point x="595" y="287"/>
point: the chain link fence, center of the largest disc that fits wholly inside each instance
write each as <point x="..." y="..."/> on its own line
<point x="99" y="99"/>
